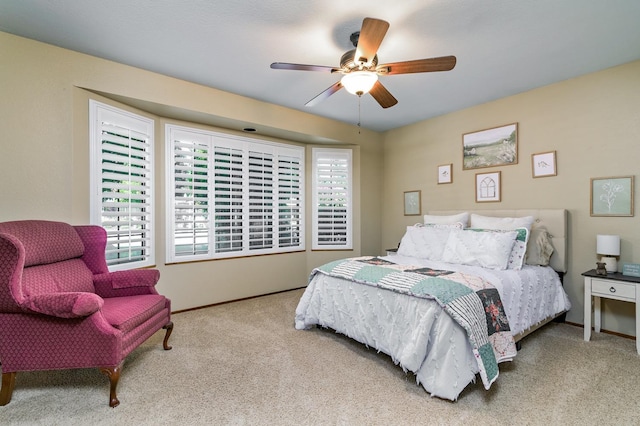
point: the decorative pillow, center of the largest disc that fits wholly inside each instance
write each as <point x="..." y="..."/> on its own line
<point x="504" y="223"/>
<point x="424" y="242"/>
<point x="539" y="248"/>
<point x="479" y="248"/>
<point x="66" y="305"/>
<point x="457" y="225"/>
<point x="519" y="249"/>
<point x="447" y="219"/>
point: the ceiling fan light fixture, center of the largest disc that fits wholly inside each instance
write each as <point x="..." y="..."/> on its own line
<point x="359" y="82"/>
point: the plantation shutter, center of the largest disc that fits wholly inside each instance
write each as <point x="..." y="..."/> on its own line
<point x="260" y="194"/>
<point x="290" y="200"/>
<point x="228" y="164"/>
<point x="232" y="196"/>
<point x="332" y="199"/>
<point x="191" y="182"/>
<point x="122" y="184"/>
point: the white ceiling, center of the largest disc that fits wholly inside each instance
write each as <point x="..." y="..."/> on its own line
<point x="503" y="47"/>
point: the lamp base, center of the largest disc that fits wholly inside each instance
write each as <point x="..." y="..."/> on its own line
<point x="610" y="263"/>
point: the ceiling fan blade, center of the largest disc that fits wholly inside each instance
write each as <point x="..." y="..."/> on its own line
<point x="382" y="95"/>
<point x="371" y="35"/>
<point x="324" y="95"/>
<point x="302" y="67"/>
<point x="443" y="63"/>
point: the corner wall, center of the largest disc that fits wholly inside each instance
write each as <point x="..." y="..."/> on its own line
<point x="593" y="122"/>
<point x="44" y="162"/>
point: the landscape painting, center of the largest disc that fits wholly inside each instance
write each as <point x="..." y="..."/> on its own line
<point x="491" y="147"/>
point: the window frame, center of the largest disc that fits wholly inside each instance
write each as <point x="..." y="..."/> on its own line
<point x="100" y="113"/>
<point x="216" y="143"/>
<point x="335" y="154"/>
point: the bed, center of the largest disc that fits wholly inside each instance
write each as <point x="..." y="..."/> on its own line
<point x="448" y="315"/>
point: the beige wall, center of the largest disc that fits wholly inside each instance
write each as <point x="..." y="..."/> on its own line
<point x="593" y="122"/>
<point x="44" y="161"/>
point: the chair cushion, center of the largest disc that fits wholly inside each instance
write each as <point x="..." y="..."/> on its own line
<point x="67" y="276"/>
<point x="127" y="312"/>
<point x="45" y="241"/>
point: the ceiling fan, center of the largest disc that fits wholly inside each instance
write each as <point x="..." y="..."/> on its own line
<point x="360" y="68"/>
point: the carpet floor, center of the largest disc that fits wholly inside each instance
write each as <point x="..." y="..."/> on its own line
<point x="243" y="363"/>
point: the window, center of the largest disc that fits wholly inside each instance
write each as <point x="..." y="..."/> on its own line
<point x="332" y="203"/>
<point x="232" y="196"/>
<point x="121" y="179"/>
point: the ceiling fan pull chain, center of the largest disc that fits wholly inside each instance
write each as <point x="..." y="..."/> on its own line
<point x="359" y="113"/>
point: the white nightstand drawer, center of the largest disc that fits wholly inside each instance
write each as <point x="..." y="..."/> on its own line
<point x="613" y="289"/>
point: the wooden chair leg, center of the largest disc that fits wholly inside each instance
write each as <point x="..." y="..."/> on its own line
<point x="169" y="328"/>
<point x="113" y="373"/>
<point x="8" y="382"/>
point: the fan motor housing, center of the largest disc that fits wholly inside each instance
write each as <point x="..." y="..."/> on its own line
<point x="348" y="61"/>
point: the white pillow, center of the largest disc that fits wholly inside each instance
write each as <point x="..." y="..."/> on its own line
<point x="447" y="219"/>
<point x="424" y="242"/>
<point x="457" y="225"/>
<point x="504" y="223"/>
<point x="489" y="250"/>
<point x="519" y="249"/>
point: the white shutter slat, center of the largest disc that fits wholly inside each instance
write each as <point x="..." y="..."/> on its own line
<point x="332" y="203"/>
<point x="244" y="186"/>
<point x="122" y="179"/>
<point x="191" y="182"/>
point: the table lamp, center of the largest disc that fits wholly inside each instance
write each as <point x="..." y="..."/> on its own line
<point x="608" y="246"/>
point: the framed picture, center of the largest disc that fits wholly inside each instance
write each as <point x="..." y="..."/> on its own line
<point x="491" y="147"/>
<point x="543" y="164"/>
<point x="612" y="196"/>
<point x="487" y="187"/>
<point x="445" y="174"/>
<point x="412" y="203"/>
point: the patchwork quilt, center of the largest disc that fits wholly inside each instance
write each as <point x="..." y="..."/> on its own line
<point x="470" y="300"/>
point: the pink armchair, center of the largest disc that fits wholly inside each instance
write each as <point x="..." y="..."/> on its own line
<point x="61" y="308"/>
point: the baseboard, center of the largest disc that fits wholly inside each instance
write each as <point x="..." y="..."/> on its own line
<point x="615" y="333"/>
<point x="234" y="300"/>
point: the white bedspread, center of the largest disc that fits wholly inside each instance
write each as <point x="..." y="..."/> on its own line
<point x="417" y="334"/>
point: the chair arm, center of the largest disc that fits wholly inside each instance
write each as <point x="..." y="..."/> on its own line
<point x="126" y="283"/>
<point x="12" y="258"/>
<point x="66" y="304"/>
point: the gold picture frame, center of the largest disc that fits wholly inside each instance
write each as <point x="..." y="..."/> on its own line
<point x="497" y="146"/>
<point x="543" y="164"/>
<point x="488" y="187"/>
<point x="612" y="196"/>
<point x="445" y="173"/>
<point x="412" y="203"/>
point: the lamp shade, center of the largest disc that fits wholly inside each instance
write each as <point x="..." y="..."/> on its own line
<point x="359" y="82"/>
<point x="608" y="245"/>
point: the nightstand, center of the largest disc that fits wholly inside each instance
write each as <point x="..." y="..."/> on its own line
<point x="392" y="252"/>
<point x="611" y="286"/>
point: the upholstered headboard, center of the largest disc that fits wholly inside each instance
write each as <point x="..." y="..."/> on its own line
<point x="555" y="220"/>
